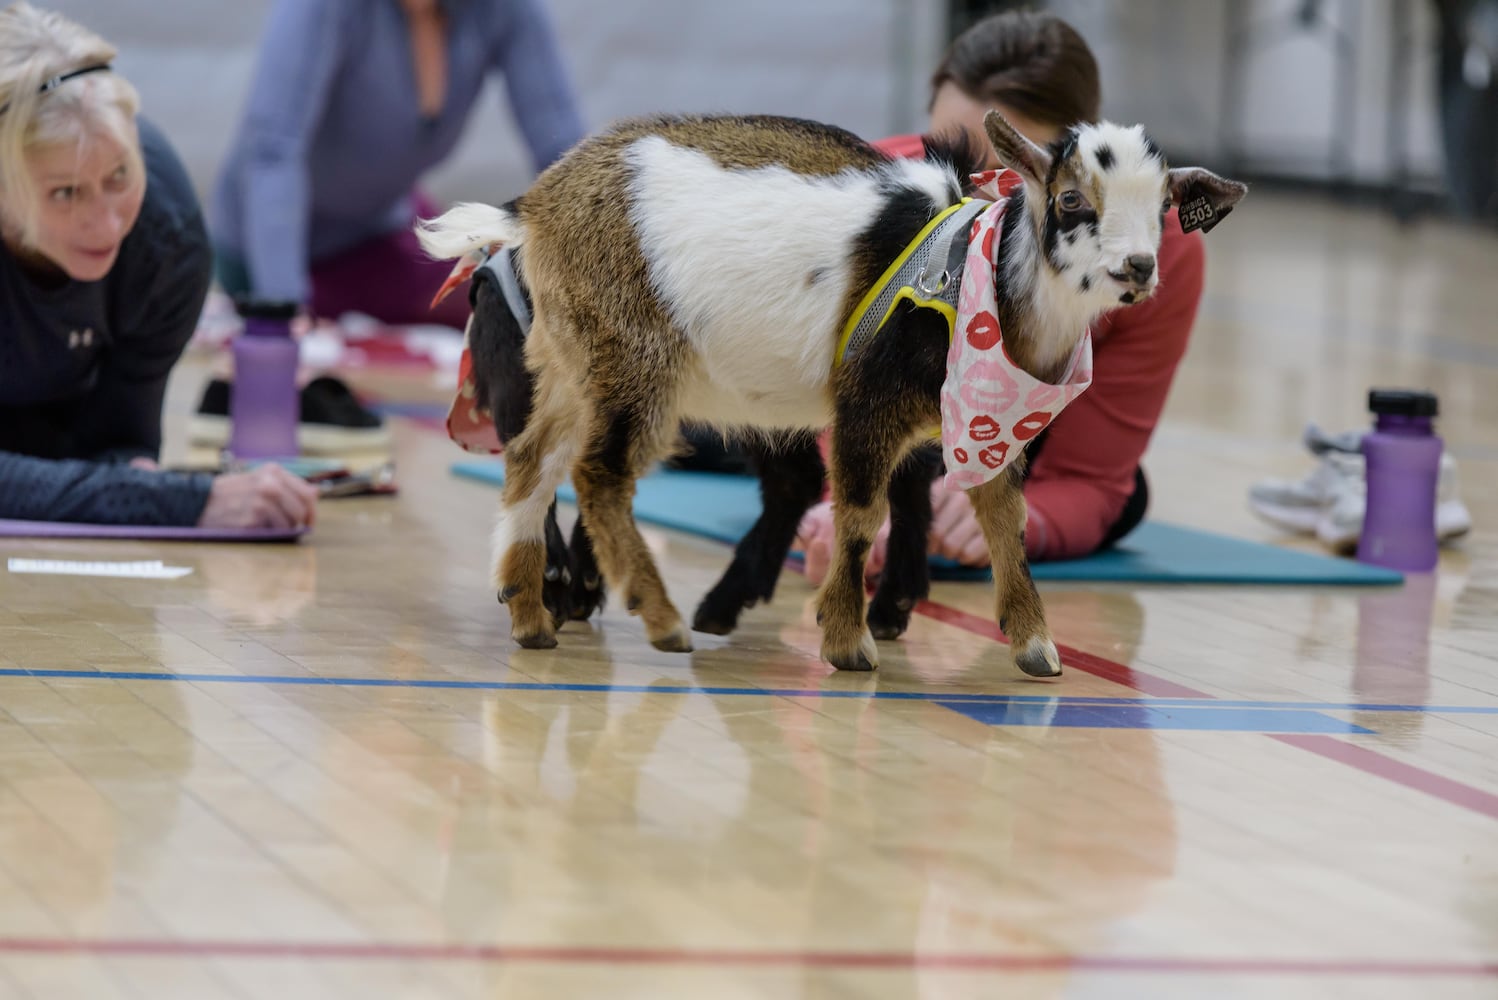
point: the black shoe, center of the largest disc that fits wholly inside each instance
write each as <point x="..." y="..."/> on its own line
<point x="332" y="420"/>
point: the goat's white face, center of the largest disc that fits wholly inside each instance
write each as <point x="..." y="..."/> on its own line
<point x="1099" y="197"/>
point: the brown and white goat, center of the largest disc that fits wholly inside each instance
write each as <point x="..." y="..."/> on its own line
<point x="702" y="268"/>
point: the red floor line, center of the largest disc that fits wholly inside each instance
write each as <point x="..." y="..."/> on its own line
<point x="600" y="955"/>
<point x="1072" y="658"/>
<point x="1410" y="776"/>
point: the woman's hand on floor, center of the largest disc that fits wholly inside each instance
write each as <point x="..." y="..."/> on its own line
<point x="955" y="532"/>
<point x="268" y="497"/>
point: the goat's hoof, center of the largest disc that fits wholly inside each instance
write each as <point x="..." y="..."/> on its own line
<point x="678" y="640"/>
<point x="508" y="593"/>
<point x="708" y="624"/>
<point x="888" y="620"/>
<point x="1039" y="658"/>
<point x="716" y="616"/>
<point x="587" y="597"/>
<point x="862" y="659"/>
<point x="537" y="640"/>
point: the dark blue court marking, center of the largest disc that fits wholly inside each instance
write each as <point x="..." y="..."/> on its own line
<point x="1272" y="716"/>
<point x="1208" y="718"/>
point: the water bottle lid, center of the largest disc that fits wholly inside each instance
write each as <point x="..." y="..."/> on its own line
<point x="274" y="309"/>
<point x="1403" y="403"/>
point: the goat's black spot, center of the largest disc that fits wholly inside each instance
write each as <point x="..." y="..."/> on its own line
<point x="1061" y="150"/>
<point x="815" y="275"/>
<point x="904" y="211"/>
<point x="958" y="150"/>
<point x="1104" y="157"/>
<point x="1064" y="227"/>
<point x="1086" y="283"/>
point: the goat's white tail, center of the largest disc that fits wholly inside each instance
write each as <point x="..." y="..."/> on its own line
<point x="467" y="227"/>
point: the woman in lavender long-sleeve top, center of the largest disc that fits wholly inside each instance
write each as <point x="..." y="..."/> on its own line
<point x="352" y="101"/>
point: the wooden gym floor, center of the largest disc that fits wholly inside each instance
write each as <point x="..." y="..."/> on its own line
<point x="323" y="770"/>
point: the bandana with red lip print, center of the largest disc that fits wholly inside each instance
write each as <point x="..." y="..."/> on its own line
<point x="990" y="407"/>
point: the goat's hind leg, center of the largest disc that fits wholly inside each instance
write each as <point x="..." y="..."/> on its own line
<point x="536" y="462"/>
<point x="906" y="579"/>
<point x="622" y="443"/>
<point x="1000" y="507"/>
<point x="790" y="480"/>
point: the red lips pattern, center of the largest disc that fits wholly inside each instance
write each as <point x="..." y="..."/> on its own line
<point x="983" y="331"/>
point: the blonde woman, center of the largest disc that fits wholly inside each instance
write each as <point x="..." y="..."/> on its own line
<point x="104" y="264"/>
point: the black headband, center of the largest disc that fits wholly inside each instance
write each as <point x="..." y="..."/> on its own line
<point x="62" y="78"/>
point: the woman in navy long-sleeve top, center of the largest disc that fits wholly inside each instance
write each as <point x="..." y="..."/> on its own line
<point x="104" y="264"/>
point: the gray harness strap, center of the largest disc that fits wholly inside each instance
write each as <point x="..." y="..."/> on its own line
<point x="502" y="266"/>
<point x="934" y="270"/>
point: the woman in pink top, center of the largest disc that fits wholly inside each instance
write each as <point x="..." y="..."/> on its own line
<point x="1085" y="489"/>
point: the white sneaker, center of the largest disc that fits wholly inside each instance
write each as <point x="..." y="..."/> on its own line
<point x="1299" y="505"/>
<point x="1342" y="524"/>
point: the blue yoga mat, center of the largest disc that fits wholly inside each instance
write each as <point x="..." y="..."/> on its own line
<point x="724" y="507"/>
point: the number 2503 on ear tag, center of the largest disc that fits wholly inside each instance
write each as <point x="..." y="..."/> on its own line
<point x="1198" y="213"/>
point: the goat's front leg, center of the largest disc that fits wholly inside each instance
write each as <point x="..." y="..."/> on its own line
<point x="1000" y="507"/>
<point x="906" y="579"/>
<point x="864" y="453"/>
<point x="790" y="480"/>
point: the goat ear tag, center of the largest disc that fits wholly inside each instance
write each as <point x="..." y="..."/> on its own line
<point x="1197" y="212"/>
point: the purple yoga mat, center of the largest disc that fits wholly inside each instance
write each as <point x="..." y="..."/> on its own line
<point x="60" y="529"/>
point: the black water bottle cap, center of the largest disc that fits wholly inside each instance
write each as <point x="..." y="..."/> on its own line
<point x="274" y="309"/>
<point x="1403" y="403"/>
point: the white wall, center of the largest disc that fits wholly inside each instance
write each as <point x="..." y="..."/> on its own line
<point x="862" y="64"/>
<point x="1163" y="64"/>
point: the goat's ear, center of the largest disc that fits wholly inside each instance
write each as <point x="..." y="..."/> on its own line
<point x="1015" y="151"/>
<point x="1204" y="198"/>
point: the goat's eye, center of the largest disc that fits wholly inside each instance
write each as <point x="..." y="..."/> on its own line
<point x="1071" y="201"/>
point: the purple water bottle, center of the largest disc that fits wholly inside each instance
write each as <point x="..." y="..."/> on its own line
<point x="1403" y="457"/>
<point x="264" y="406"/>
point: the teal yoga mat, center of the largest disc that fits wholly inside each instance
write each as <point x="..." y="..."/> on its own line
<point x="724" y="507"/>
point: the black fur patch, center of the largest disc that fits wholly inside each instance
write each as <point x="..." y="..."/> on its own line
<point x="1104" y="157"/>
<point x="502" y="384"/>
<point x="1061" y="150"/>
<point x="1086" y="283"/>
<point x="1059" y="224"/>
<point x="958" y="150"/>
<point x="613" y="451"/>
<point x="904" y="212"/>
